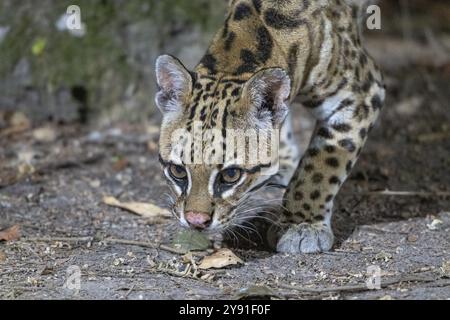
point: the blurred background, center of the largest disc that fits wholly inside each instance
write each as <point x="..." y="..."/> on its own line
<point x="105" y="72"/>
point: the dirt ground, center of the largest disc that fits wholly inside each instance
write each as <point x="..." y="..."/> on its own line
<point x="58" y="206"/>
<point x="392" y="213"/>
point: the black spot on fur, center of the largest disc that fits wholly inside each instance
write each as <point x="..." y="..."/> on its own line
<point x="209" y="61"/>
<point x="330" y="149"/>
<point x="312" y="104"/>
<point x="226" y="26"/>
<point x="329" y="198"/>
<point x="342" y="127"/>
<point x="318" y="217"/>
<point x="299" y="183"/>
<point x="366" y="86"/>
<point x="279" y="21"/>
<point x="235" y="92"/>
<point x="300" y="214"/>
<point x="325" y="133"/>
<point x="332" y="162"/>
<point x="312" y="152"/>
<point x="229" y="41"/>
<point x="376" y="102"/>
<point x="344" y="104"/>
<point x="307" y="207"/>
<point x="309" y="167"/>
<point x="334" y="180"/>
<point x="249" y="62"/>
<point x="209" y="86"/>
<point x="315" y="195"/>
<point x="298" y="196"/>
<point x="203" y="114"/>
<point x="363" y="133"/>
<point x="193" y="110"/>
<point x="214" y="116"/>
<point x="242" y="11"/>
<point x="317" y="178"/>
<point x="361" y="112"/>
<point x="347" y="144"/>
<point x="265" y="44"/>
<point x="257" y="5"/>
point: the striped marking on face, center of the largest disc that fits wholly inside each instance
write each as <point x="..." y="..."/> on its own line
<point x="230" y="190"/>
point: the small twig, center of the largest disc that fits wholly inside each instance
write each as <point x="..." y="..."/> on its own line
<point x="357" y="287"/>
<point x="375" y="229"/>
<point x="61" y="239"/>
<point x="401" y="193"/>
<point x="430" y="137"/>
<point x="146" y="244"/>
<point x="338" y="252"/>
<point x="110" y="240"/>
<point x="129" y="291"/>
<point x="24" y="288"/>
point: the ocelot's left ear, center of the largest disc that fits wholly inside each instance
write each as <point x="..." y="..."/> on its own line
<point x="175" y="84"/>
<point x="265" y="97"/>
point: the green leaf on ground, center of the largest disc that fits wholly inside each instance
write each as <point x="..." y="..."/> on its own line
<point x="191" y="240"/>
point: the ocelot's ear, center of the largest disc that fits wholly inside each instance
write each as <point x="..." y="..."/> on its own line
<point x="175" y="84"/>
<point x="265" y="97"/>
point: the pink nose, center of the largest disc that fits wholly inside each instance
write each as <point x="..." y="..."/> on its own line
<point x="198" y="219"/>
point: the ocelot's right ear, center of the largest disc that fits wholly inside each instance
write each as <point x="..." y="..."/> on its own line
<point x="175" y="84"/>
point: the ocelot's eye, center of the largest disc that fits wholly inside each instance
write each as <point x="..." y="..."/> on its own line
<point x="231" y="176"/>
<point x="177" y="172"/>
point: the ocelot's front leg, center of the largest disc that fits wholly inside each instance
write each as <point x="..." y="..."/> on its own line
<point x="335" y="146"/>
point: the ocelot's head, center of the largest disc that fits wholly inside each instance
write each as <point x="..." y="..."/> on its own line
<point x="218" y="139"/>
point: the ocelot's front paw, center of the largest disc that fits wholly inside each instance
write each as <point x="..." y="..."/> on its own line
<point x="306" y="238"/>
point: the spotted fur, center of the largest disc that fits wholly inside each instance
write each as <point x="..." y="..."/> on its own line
<point x="267" y="54"/>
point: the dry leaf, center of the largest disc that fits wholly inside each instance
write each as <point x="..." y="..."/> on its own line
<point x="220" y="259"/>
<point x="2" y="257"/>
<point x="10" y="234"/>
<point x="45" y="134"/>
<point x="434" y="225"/>
<point x="146" y="210"/>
